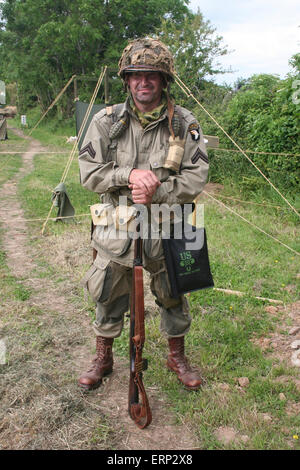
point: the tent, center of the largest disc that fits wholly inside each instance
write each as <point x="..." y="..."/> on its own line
<point x="80" y="111"/>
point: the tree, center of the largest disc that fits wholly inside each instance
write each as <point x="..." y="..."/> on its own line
<point x="195" y="47"/>
<point x="44" y="42"/>
<point x="295" y="63"/>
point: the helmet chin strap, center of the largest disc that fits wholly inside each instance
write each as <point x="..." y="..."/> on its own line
<point x="170" y="112"/>
<point x="170" y="104"/>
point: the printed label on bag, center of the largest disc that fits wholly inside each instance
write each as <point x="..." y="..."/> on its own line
<point x="186" y="261"/>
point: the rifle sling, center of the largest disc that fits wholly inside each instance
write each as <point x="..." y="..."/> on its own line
<point x="139" y="412"/>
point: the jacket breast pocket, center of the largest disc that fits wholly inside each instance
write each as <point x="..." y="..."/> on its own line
<point x="157" y="158"/>
<point x="124" y="158"/>
<point x="157" y="162"/>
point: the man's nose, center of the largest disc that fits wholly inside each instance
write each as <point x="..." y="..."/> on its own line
<point x="144" y="79"/>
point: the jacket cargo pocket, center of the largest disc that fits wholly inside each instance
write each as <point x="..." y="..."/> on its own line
<point x="110" y="240"/>
<point x="96" y="277"/>
<point x="112" y="233"/>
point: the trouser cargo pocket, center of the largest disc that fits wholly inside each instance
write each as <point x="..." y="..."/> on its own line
<point x="96" y="277"/>
<point x="160" y="285"/>
<point x="153" y="250"/>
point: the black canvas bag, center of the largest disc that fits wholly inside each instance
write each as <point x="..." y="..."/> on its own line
<point x="188" y="267"/>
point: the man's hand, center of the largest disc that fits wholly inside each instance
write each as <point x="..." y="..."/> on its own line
<point x="143" y="184"/>
<point x="139" y="196"/>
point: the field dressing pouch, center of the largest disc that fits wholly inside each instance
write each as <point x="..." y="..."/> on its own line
<point x="123" y="217"/>
<point x="187" y="261"/>
<point x="175" y="154"/>
<point x="101" y="214"/>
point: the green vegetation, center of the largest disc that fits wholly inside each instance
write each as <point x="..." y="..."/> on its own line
<point x="10" y="163"/>
<point x="263" y="117"/>
<point x="195" y="47"/>
<point x="225" y="328"/>
<point x="71" y="37"/>
<point x="37" y="188"/>
<point x="65" y="39"/>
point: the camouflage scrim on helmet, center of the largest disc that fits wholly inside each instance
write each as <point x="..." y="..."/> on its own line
<point x="147" y="54"/>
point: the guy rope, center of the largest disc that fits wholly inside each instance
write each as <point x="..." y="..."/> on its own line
<point x="188" y="93"/>
<point x="74" y="149"/>
<point x="53" y="103"/>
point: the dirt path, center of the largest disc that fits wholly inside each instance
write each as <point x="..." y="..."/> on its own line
<point x="49" y="343"/>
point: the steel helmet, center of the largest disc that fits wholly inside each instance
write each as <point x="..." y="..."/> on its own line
<point x="146" y="55"/>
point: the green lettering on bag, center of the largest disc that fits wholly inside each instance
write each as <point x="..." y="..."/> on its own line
<point x="186" y="260"/>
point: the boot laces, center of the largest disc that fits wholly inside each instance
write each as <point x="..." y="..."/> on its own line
<point x="181" y="359"/>
<point x="101" y="351"/>
<point x="183" y="362"/>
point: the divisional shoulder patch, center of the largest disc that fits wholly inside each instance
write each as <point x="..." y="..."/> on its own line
<point x="89" y="149"/>
<point x="199" y="154"/>
<point x="194" y="131"/>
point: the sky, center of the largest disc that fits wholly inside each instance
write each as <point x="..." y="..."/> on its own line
<point x="262" y="34"/>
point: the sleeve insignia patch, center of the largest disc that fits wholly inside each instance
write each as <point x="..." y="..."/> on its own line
<point x="194" y="131"/>
<point x="199" y="154"/>
<point x="89" y="149"/>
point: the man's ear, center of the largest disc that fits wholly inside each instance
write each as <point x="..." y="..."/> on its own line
<point x="126" y="83"/>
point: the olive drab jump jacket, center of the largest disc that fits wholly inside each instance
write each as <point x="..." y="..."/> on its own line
<point x="105" y="164"/>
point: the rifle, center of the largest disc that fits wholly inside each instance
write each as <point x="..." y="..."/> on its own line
<point x="139" y="412"/>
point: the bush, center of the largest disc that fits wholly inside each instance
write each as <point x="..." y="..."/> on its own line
<point x="263" y="117"/>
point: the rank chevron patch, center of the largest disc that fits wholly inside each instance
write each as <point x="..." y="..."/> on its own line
<point x="89" y="149"/>
<point x="199" y="154"/>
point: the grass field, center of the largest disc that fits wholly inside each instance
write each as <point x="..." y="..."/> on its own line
<point x="232" y="337"/>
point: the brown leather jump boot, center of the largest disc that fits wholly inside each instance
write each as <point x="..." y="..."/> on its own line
<point x="102" y="364"/>
<point x="178" y="363"/>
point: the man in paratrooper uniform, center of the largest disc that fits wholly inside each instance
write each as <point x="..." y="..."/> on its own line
<point x="150" y="151"/>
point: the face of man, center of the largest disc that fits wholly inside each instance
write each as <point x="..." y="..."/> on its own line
<point x="146" y="89"/>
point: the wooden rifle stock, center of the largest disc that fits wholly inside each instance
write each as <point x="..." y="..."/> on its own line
<point x="139" y="411"/>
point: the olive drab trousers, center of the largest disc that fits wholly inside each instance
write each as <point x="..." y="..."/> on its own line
<point x="114" y="300"/>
